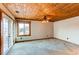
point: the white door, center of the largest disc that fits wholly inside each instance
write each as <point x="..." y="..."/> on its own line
<point x="7" y="34"/>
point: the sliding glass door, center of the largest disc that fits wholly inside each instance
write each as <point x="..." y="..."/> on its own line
<point x="7" y="25"/>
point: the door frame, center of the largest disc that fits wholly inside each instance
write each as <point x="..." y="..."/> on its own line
<point x="1" y="44"/>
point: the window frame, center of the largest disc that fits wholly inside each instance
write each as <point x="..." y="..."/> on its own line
<point x="27" y="22"/>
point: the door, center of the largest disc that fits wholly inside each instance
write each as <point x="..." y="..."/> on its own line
<point x="7" y="33"/>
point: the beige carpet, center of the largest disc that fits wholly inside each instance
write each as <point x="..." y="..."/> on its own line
<point x="44" y="47"/>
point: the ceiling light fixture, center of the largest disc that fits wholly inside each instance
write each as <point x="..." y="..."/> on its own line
<point x="45" y="20"/>
<point x="17" y="11"/>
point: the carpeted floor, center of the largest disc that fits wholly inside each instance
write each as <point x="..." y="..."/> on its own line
<point x="44" y="47"/>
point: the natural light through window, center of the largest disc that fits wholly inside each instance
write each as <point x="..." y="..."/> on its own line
<point x="23" y="28"/>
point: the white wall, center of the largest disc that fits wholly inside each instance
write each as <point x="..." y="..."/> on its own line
<point x="67" y="28"/>
<point x="39" y="30"/>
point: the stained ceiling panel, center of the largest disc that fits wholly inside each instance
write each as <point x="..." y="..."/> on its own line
<point x="36" y="11"/>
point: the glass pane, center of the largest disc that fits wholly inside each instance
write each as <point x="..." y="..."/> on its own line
<point x="27" y="29"/>
<point x="10" y="29"/>
<point x="5" y="33"/>
<point x="21" y="29"/>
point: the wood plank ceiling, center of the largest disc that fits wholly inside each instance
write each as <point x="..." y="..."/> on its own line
<point x="37" y="11"/>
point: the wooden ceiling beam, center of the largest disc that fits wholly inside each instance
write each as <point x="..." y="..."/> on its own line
<point x="30" y="19"/>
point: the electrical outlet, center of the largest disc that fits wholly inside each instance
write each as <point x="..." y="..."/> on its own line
<point x="67" y="38"/>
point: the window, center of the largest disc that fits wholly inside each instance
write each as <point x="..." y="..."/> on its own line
<point x="24" y="28"/>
